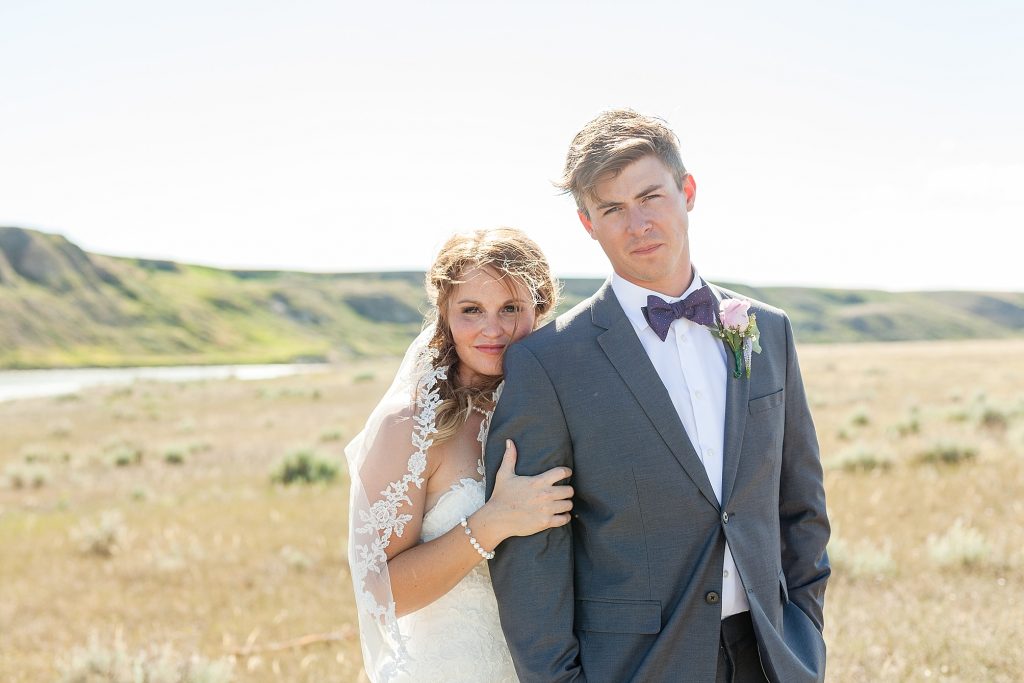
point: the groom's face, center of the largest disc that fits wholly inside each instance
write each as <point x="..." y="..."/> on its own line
<point x="640" y="218"/>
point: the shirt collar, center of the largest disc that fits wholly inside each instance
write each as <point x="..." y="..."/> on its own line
<point x="634" y="297"/>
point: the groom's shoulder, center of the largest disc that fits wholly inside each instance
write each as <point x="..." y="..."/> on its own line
<point x="576" y="323"/>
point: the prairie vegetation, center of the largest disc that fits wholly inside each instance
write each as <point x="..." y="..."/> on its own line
<point x="926" y="495"/>
<point x="199" y="529"/>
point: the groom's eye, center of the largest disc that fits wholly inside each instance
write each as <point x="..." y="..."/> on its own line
<point x="610" y="210"/>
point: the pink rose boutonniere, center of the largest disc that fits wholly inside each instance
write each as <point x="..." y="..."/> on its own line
<point x="740" y="332"/>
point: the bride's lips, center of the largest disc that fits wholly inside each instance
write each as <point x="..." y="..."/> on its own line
<point x="649" y="249"/>
<point x="491" y="349"/>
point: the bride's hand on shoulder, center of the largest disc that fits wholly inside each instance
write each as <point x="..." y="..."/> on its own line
<point x="524" y="505"/>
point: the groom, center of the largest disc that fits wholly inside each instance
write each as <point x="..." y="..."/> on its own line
<point x="696" y="550"/>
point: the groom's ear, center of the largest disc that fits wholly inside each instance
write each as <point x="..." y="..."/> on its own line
<point x="690" y="190"/>
<point x="585" y="220"/>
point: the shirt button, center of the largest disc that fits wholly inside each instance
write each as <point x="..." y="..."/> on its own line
<point x="725" y="573"/>
<point x="698" y="395"/>
<point x="710" y="452"/>
<point x="712" y="598"/>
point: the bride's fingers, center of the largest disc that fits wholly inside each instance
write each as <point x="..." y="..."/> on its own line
<point x="559" y="492"/>
<point x="559" y="506"/>
<point x="508" y="460"/>
<point x="560" y="520"/>
<point x="554" y="475"/>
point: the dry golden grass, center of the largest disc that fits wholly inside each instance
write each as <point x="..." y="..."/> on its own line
<point x="217" y="558"/>
<point x="929" y="571"/>
<point x="920" y="618"/>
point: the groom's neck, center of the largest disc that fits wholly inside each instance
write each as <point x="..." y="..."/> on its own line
<point x="672" y="286"/>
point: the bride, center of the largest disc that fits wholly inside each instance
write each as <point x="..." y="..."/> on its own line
<point x="419" y="528"/>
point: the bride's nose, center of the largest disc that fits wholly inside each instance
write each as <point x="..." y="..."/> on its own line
<point x="492" y="327"/>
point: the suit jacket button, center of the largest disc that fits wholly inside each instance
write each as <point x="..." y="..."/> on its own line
<point x="712" y="598"/>
<point x="725" y="518"/>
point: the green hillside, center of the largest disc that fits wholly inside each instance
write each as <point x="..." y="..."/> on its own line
<point x="63" y="307"/>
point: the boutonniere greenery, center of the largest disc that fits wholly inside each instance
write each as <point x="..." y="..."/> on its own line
<point x="740" y="332"/>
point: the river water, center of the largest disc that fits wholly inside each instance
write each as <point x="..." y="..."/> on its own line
<point x="15" y="384"/>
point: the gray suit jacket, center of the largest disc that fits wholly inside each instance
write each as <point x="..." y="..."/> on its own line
<point x="624" y="592"/>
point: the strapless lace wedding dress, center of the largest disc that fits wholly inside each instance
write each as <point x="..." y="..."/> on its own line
<point x="457" y="638"/>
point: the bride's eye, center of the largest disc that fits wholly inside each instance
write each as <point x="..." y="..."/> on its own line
<point x="470" y="310"/>
<point x="512" y="308"/>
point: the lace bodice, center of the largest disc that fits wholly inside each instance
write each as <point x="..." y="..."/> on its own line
<point x="463" y="499"/>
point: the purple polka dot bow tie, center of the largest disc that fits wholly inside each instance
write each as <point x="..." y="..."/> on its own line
<point x="699" y="307"/>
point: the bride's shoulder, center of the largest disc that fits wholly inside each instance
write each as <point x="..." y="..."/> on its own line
<point x="397" y="425"/>
<point x="404" y="432"/>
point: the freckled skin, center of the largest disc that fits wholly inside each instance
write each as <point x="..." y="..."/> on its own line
<point x="485" y="314"/>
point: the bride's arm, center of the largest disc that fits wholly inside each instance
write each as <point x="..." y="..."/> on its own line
<point x="420" y="573"/>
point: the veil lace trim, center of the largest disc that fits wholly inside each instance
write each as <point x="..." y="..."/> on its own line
<point x="376" y="517"/>
<point x="383" y="516"/>
<point x="384" y="645"/>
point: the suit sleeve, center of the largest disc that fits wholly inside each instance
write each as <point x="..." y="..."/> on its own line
<point x="533" y="575"/>
<point x="802" y="515"/>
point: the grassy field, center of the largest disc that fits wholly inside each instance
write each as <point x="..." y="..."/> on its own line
<point x="148" y="514"/>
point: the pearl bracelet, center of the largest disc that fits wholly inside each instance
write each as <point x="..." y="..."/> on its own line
<point x="483" y="553"/>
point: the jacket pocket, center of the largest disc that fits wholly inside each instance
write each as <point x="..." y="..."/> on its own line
<point x="618" y="616"/>
<point x="759" y="405"/>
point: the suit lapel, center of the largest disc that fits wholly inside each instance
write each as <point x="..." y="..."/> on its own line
<point x="737" y="395"/>
<point x="627" y="354"/>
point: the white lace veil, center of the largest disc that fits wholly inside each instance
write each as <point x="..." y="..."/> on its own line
<point x="401" y="426"/>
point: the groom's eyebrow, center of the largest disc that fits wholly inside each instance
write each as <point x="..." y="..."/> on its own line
<point x="639" y="195"/>
<point x="647" y="190"/>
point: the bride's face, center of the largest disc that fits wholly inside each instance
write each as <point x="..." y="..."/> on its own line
<point x="486" y="314"/>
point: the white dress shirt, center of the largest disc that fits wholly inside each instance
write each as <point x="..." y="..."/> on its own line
<point x="692" y="364"/>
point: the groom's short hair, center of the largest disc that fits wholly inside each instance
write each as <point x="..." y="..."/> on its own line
<point x="612" y="141"/>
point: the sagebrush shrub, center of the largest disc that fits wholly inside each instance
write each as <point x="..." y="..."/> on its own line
<point x="28" y="475"/>
<point x="304" y="467"/>
<point x="960" y="545"/>
<point x="945" y="453"/>
<point x="863" y="460"/>
<point x="174" y="457"/>
<point x="106" y="536"/>
<point x="861" y="560"/>
<point x="99" y="663"/>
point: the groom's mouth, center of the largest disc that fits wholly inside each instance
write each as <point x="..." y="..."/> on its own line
<point x="648" y="249"/>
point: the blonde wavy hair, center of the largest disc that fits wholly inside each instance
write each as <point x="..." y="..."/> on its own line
<point x="516" y="258"/>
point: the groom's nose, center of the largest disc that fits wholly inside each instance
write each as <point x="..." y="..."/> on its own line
<point x="638" y="219"/>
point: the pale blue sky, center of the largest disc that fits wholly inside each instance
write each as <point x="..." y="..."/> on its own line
<point x="843" y="144"/>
